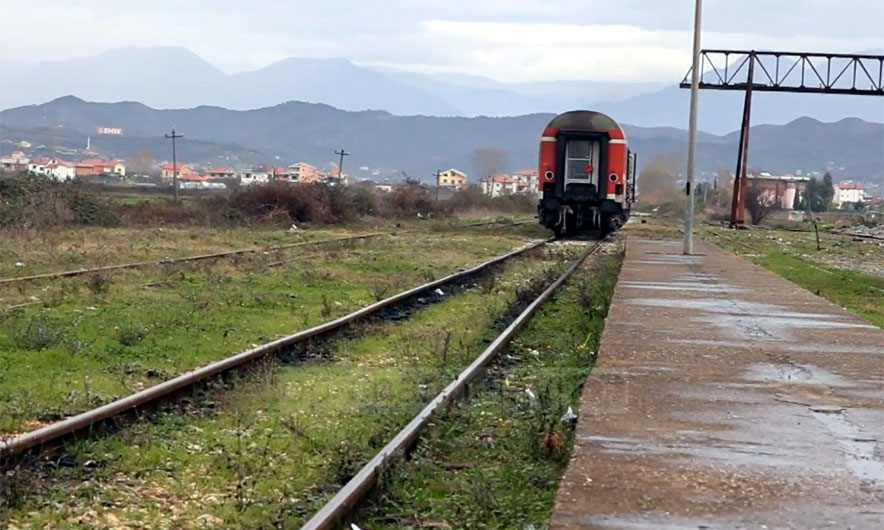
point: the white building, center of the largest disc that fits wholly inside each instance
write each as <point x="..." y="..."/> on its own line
<point x="61" y="170"/>
<point x="530" y="179"/>
<point x="53" y="168"/>
<point x="498" y="185"/>
<point x="247" y="178"/>
<point x="848" y="192"/>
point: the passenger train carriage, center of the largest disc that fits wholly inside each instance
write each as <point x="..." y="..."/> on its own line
<point x="587" y="173"/>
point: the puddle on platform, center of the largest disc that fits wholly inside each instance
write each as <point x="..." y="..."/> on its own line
<point x="863" y="459"/>
<point x="749" y="319"/>
<point x="802" y="347"/>
<point x="693" y="286"/>
<point x="794" y="373"/>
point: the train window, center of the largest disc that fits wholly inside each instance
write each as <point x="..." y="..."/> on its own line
<point x="581" y="161"/>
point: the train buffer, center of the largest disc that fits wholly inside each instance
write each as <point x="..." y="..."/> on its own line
<point x="726" y="397"/>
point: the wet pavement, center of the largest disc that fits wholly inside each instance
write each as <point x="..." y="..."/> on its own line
<point x="726" y="397"/>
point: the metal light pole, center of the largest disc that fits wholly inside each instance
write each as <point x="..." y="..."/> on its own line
<point x="692" y="135"/>
<point x="173" y="137"/>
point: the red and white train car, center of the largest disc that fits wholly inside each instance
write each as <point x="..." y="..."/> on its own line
<point x="587" y="173"/>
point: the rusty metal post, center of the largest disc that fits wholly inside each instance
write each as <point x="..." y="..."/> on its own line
<point x="738" y="203"/>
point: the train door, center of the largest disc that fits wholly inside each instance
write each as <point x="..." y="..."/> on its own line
<point x="582" y="162"/>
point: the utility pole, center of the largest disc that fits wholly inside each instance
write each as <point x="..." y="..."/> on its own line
<point x="343" y="153"/>
<point x="173" y="137"/>
<point x="692" y="135"/>
<point x="438" y="175"/>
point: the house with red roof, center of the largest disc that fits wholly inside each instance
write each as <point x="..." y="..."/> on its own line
<point x="221" y="172"/>
<point x="528" y="179"/>
<point x="500" y="184"/>
<point x="17" y="161"/>
<point x="848" y="192"/>
<point x="167" y="170"/>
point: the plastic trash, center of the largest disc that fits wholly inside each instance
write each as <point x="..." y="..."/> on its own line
<point x="439" y="292"/>
<point x="569" y="417"/>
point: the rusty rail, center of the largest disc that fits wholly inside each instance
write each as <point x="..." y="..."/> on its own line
<point x="342" y="504"/>
<point x="79" y="422"/>
<point x="171" y="261"/>
<point x="216" y="255"/>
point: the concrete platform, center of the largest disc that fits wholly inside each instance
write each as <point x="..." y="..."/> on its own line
<point x="726" y="397"/>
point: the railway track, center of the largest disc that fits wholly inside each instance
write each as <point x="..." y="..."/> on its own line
<point x="217" y="255"/>
<point x="339" y="508"/>
<point x="51" y="436"/>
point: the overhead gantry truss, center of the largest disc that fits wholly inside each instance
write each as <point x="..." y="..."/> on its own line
<point x="795" y="72"/>
<point x="817" y="73"/>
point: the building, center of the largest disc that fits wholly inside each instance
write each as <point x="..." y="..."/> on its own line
<point x="452" y="178"/>
<point x="167" y="171"/>
<point x="529" y="178"/>
<point x="247" y="178"/>
<point x="777" y="189"/>
<point x="52" y="168"/>
<point x="37" y="166"/>
<point x="334" y="177"/>
<point x="498" y="185"/>
<point x="221" y="172"/>
<point x="96" y="166"/>
<point x="303" y="172"/>
<point x="199" y="182"/>
<point x="848" y="193"/>
<point x="15" y="162"/>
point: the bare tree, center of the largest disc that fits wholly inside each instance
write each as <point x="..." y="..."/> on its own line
<point x="656" y="184"/>
<point x="141" y="162"/>
<point x="759" y="204"/>
<point x="487" y="161"/>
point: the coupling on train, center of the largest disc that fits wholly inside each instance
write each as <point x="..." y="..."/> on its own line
<point x="587" y="174"/>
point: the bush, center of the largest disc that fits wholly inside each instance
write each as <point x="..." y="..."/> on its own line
<point x="35" y="202"/>
<point x="406" y="202"/>
<point x="472" y="199"/>
<point x="28" y="201"/>
<point x="286" y="203"/>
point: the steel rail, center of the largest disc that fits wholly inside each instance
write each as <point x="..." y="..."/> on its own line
<point x="215" y="255"/>
<point x="57" y="430"/>
<point x="185" y="259"/>
<point x="348" y="497"/>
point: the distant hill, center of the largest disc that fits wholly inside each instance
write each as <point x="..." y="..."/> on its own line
<point x="174" y="77"/>
<point x="420" y="144"/>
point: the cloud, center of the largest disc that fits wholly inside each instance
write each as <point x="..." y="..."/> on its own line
<point x="646" y="40"/>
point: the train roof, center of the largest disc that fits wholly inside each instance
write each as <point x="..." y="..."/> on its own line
<point x="583" y="120"/>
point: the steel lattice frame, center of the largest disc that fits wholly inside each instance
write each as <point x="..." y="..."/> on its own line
<point x="796" y="72"/>
<point x="819" y="73"/>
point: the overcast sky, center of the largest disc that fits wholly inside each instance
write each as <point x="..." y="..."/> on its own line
<point x="510" y="40"/>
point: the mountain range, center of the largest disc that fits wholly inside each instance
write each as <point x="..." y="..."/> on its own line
<point x="173" y="77"/>
<point x="419" y="145"/>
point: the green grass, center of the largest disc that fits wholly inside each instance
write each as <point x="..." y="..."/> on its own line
<point x="85" y="345"/>
<point x="496" y="460"/>
<point x="270" y="451"/>
<point x="27" y="252"/>
<point x="825" y="273"/>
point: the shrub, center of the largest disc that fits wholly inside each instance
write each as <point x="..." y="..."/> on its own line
<point x="28" y="201"/>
